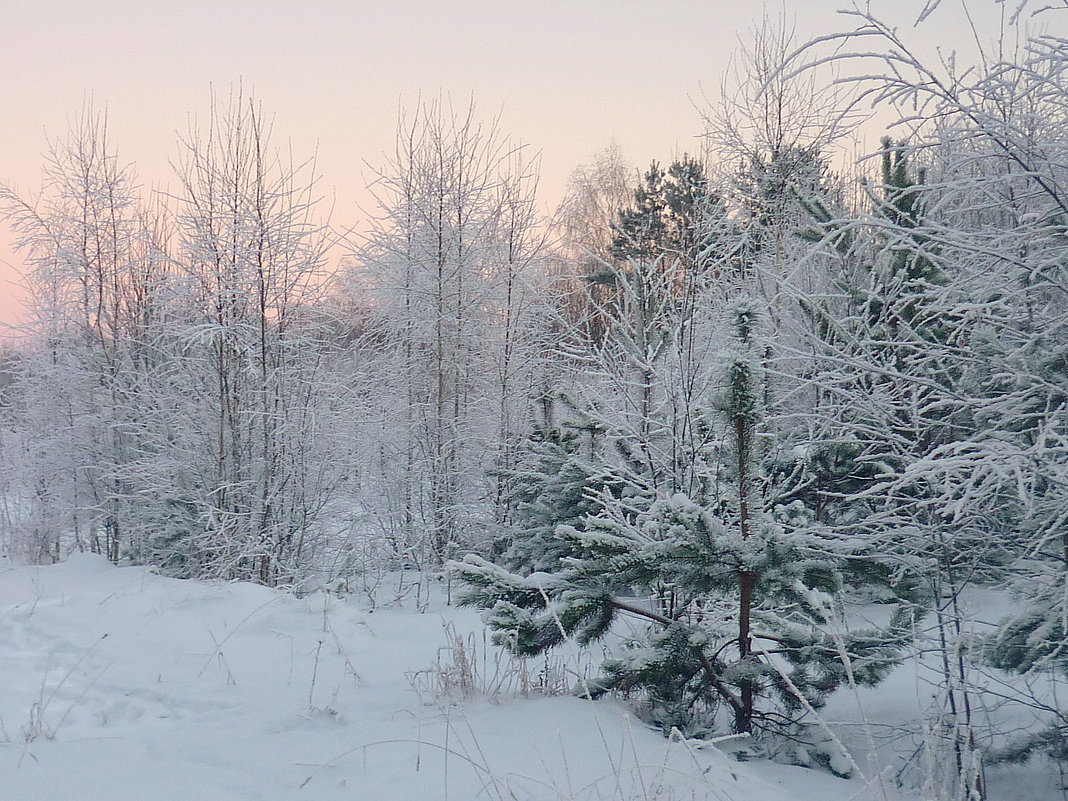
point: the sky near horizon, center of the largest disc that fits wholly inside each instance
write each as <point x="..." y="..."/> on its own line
<point x="566" y="76"/>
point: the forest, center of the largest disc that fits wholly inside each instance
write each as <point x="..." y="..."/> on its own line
<point x="721" y="402"/>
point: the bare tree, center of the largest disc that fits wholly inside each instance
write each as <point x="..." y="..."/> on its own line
<point x="94" y="275"/>
<point x="252" y="351"/>
<point x="584" y="232"/>
<point x="451" y="254"/>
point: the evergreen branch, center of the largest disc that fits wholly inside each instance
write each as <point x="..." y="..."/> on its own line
<point x="724" y="691"/>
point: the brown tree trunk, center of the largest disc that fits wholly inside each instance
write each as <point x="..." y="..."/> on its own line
<point x="743" y="717"/>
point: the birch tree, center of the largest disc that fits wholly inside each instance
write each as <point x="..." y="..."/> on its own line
<point x="452" y="256"/>
<point x="94" y="275"/>
<point x="251" y="353"/>
<point x="971" y="277"/>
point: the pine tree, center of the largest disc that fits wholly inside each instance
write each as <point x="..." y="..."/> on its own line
<point x="559" y="476"/>
<point x="667" y="215"/>
<point x="727" y="581"/>
<point x="895" y="392"/>
<point x="987" y="463"/>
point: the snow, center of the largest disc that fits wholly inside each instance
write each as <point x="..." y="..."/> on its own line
<point x="121" y="685"/>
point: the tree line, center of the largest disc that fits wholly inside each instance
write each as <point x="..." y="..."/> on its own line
<point x="728" y="398"/>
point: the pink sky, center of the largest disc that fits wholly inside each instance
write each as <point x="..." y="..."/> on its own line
<point x="567" y="76"/>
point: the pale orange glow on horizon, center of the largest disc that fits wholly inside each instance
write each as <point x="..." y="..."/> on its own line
<point x="565" y="77"/>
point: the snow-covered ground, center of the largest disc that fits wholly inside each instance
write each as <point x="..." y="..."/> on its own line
<point x="119" y="685"/>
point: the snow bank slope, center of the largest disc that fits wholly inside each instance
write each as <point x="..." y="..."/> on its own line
<point x="119" y="685"/>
